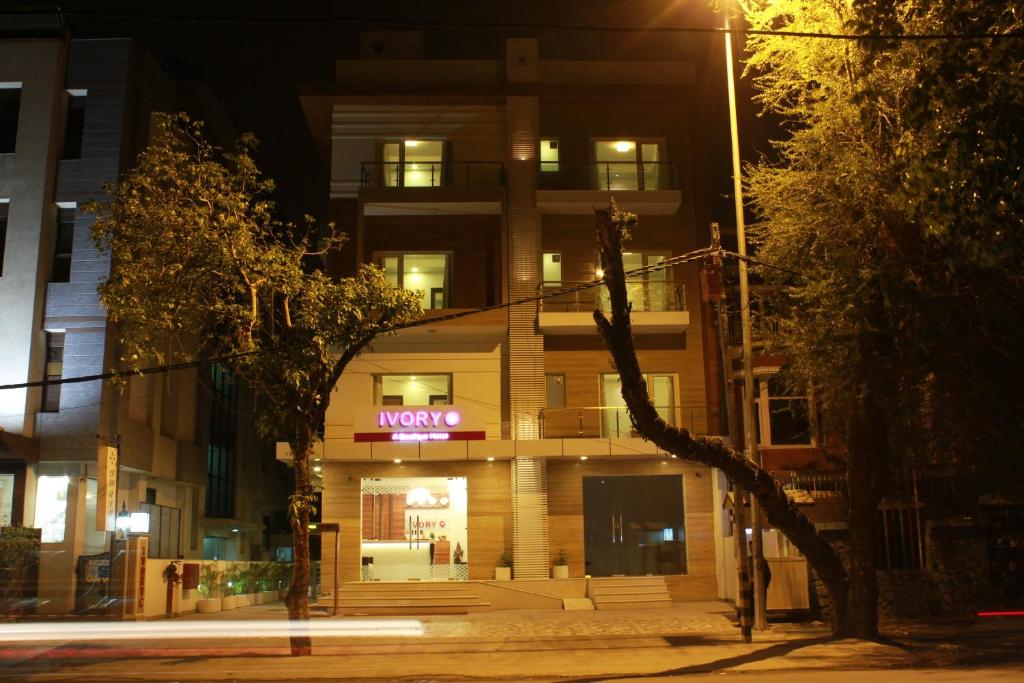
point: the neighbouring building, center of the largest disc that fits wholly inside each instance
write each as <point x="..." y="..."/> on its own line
<point x="73" y="115"/>
<point x="472" y="178"/>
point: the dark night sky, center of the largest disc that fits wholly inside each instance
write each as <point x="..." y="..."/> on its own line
<point x="255" y="55"/>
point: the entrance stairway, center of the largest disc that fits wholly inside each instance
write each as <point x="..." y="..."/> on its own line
<point x="629" y="592"/>
<point x="405" y="598"/>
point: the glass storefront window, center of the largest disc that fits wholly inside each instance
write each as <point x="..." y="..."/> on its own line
<point x="414" y="528"/>
<point x="413" y="390"/>
<point x="52" y="507"/>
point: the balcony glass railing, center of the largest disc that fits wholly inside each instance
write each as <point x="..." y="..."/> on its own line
<point x="608" y="175"/>
<point x="613" y="421"/>
<point x="384" y="174"/>
<point x="645" y="295"/>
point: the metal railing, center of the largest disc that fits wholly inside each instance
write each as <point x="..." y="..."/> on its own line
<point x="645" y="295"/>
<point x="613" y="421"/>
<point x="820" y="484"/>
<point x="388" y="174"/>
<point x="608" y="175"/>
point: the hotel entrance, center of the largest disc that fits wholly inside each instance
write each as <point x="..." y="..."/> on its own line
<point x="414" y="529"/>
<point x="634" y="525"/>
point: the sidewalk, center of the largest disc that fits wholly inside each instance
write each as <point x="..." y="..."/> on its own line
<point x="509" y="645"/>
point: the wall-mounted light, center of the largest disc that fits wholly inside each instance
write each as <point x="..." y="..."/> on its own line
<point x="599" y="272"/>
<point x="124" y="520"/>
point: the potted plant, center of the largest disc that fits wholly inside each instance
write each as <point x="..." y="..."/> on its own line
<point x="560" y="570"/>
<point x="231" y="588"/>
<point x="503" y="572"/>
<point x="19" y="567"/>
<point x="209" y="590"/>
<point x="282" y="576"/>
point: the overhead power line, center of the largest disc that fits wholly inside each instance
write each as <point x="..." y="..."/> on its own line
<point x="116" y="374"/>
<point x="539" y="26"/>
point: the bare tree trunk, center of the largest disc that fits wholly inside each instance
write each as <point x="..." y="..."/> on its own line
<point x="298" y="591"/>
<point x="780" y="511"/>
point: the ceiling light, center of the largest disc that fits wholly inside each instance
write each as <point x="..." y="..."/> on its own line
<point x="318" y="469"/>
<point x="583" y="457"/>
<point x="398" y="461"/>
<point x="490" y="458"/>
<point x="411" y="143"/>
<point x="621" y="147"/>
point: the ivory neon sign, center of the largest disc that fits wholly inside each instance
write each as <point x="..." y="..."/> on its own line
<point x="417" y="424"/>
<point x="428" y="419"/>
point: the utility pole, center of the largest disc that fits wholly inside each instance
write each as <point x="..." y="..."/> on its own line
<point x="750" y="449"/>
<point x="744" y="597"/>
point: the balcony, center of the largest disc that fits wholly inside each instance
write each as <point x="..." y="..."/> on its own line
<point x="613" y="422"/>
<point x="659" y="307"/>
<point x="433" y="187"/>
<point x="643" y="187"/>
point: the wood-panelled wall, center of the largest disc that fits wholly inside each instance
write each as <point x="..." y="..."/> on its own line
<point x="489" y="487"/>
<point x="565" y="517"/>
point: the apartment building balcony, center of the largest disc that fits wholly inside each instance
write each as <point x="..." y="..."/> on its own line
<point x="659" y="307"/>
<point x="650" y="188"/>
<point x="432" y="187"/>
<point x="613" y="422"/>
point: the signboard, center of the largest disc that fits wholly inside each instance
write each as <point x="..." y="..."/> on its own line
<point x="106" y="489"/>
<point x="418" y="423"/>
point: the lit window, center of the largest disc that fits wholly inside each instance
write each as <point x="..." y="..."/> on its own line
<point x="427" y="274"/>
<point x="413" y="163"/>
<point x="552" y="269"/>
<point x="615" y="420"/>
<point x="52" y="507"/>
<point x="412" y="390"/>
<point x="549" y="156"/>
<point x="628" y="165"/>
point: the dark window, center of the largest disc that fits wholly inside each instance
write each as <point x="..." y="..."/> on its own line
<point x="3" y="234"/>
<point x="220" y="463"/>
<point x="10" y="103"/>
<point x="54" y="371"/>
<point x="788" y="415"/>
<point x="62" y="248"/>
<point x="164" y="530"/>
<point x="900" y="544"/>
<point x="555" y="390"/>
<point x="75" y="128"/>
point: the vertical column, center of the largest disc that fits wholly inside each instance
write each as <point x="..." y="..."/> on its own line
<point x="525" y="343"/>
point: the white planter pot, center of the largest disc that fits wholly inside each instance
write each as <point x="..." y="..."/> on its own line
<point x="560" y="571"/>
<point x="257" y="598"/>
<point x="228" y="602"/>
<point x="207" y="605"/>
<point x="245" y="600"/>
<point x="503" y="573"/>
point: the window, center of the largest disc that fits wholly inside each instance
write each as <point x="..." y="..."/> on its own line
<point x="783" y="416"/>
<point x="54" y="371"/>
<point x="10" y="104"/>
<point x="413" y="163"/>
<point x="549" y="156"/>
<point x="555" y="391"/>
<point x="164" y="530"/>
<point x="6" y="499"/>
<point x="52" y="507"/>
<point x="615" y="420"/>
<point x="220" y="461"/>
<point x="62" y="246"/>
<point x="412" y="390"/>
<point x="900" y="544"/>
<point x="74" y="128"/>
<point x="3" y="233"/>
<point x="427" y="274"/>
<point x="650" y="291"/>
<point x="628" y="164"/>
<point x="552" y="269"/>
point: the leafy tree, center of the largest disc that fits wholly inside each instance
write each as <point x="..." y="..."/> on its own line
<point x="897" y="195"/>
<point x="613" y="228"/>
<point x="201" y="269"/>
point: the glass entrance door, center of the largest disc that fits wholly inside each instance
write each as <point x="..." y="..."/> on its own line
<point x="634" y="525"/>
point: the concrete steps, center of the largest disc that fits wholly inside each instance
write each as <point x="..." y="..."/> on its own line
<point x="405" y="598"/>
<point x="633" y="592"/>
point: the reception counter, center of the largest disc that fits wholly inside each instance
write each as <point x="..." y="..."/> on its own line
<point x="397" y="561"/>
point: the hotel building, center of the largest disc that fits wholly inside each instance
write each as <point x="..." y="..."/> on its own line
<point x="473" y="180"/>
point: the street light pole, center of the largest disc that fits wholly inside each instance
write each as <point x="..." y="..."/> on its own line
<point x="750" y="449"/>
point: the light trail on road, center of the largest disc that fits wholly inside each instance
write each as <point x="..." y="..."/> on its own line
<point x="160" y="630"/>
